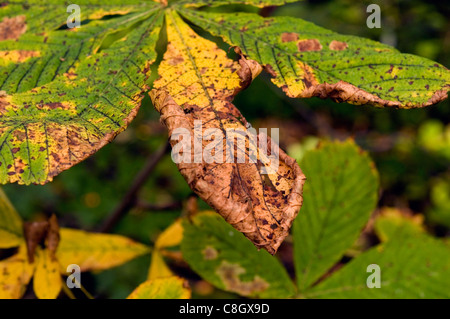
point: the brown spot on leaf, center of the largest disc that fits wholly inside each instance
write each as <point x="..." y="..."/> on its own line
<point x="338" y="45"/>
<point x="229" y="274"/>
<point x="12" y="28"/>
<point x="176" y="60"/>
<point x="345" y="92"/>
<point x="390" y="69"/>
<point x="237" y="190"/>
<point x="55" y="105"/>
<point x="249" y="70"/>
<point x="269" y="69"/>
<point x="210" y="253"/>
<point x="439" y="96"/>
<point x="289" y="36"/>
<point x="309" y="45"/>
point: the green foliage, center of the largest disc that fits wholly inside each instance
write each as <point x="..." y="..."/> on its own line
<point x="225" y="258"/>
<point x="256" y="3"/>
<point x="294" y="49"/>
<point x="10" y="224"/>
<point x="339" y="197"/>
<point x="76" y="95"/>
<point x="413" y="264"/>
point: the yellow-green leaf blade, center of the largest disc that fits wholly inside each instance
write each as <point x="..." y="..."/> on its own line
<point x="158" y="267"/>
<point x="306" y="60"/>
<point x="162" y="288"/>
<point x="171" y="236"/>
<point x="223" y="257"/>
<point x="11" y="233"/>
<point x="392" y="220"/>
<point x="94" y="251"/>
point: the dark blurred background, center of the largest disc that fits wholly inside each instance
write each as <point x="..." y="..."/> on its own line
<point x="411" y="148"/>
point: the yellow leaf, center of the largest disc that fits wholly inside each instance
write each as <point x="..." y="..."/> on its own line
<point x="15" y="273"/>
<point x="47" y="279"/>
<point x="11" y="234"/>
<point x="162" y="288"/>
<point x="94" y="251"/>
<point x="158" y="267"/>
<point x="172" y="236"/>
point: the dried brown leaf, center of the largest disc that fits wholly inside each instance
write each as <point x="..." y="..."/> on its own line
<point x="260" y="205"/>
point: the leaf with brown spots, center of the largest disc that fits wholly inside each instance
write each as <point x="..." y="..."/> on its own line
<point x="212" y="3"/>
<point x="256" y="192"/>
<point x="340" y="195"/>
<point x="65" y="93"/>
<point x="12" y="28"/>
<point x="222" y="256"/>
<point x="162" y="288"/>
<point x="306" y="61"/>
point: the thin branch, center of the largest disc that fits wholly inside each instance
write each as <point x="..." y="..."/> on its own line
<point x="130" y="199"/>
<point x="157" y="207"/>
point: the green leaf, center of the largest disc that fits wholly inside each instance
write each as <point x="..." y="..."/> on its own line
<point x="256" y="3"/>
<point x="306" y="60"/>
<point x="11" y="233"/>
<point x="410" y="267"/>
<point x="338" y="198"/>
<point x="226" y="259"/>
<point x="162" y="288"/>
<point x="75" y="90"/>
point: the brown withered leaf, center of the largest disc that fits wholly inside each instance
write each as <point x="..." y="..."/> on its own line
<point x="42" y="233"/>
<point x="12" y="28"/>
<point x="53" y="236"/>
<point x="199" y="83"/>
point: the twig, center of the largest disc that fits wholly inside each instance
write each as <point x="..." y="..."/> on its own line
<point x="130" y="198"/>
<point x="155" y="207"/>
